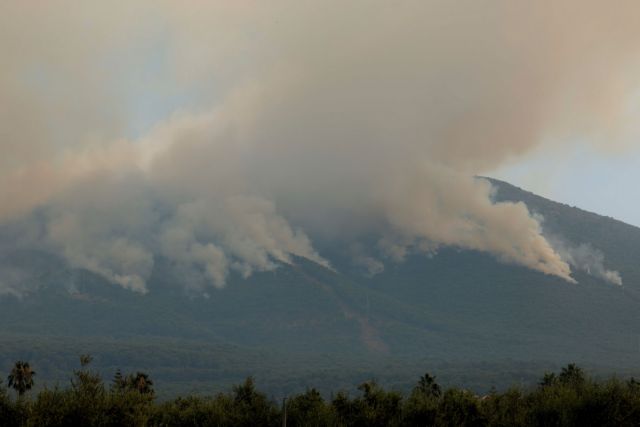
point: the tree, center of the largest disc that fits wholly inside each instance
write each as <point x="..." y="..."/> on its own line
<point x="422" y="406"/>
<point x="428" y="386"/>
<point x="381" y="407"/>
<point x="85" y="360"/>
<point x="308" y="409"/>
<point x="375" y="407"/>
<point x="459" y="408"/>
<point x="21" y="377"/>
<point x="119" y="383"/>
<point x="86" y="381"/>
<point x="249" y="407"/>
<point x="548" y="380"/>
<point x="572" y="375"/>
<point x="140" y="382"/>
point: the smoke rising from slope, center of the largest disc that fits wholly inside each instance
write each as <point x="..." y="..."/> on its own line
<point x="586" y="258"/>
<point x="590" y="260"/>
<point x="313" y="120"/>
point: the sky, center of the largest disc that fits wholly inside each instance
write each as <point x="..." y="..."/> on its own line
<point x="604" y="183"/>
<point x="600" y="181"/>
<point x="230" y="137"/>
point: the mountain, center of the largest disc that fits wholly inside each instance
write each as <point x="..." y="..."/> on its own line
<point x="474" y="320"/>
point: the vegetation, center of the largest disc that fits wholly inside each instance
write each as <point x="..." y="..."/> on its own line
<point x="21" y="377"/>
<point x="566" y="398"/>
<point x="461" y="313"/>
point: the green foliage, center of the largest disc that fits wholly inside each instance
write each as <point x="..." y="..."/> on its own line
<point x="9" y="412"/>
<point x="309" y="409"/>
<point x="569" y="398"/>
<point x="421" y="407"/>
<point x="245" y="406"/>
<point x="459" y="408"/>
<point x="139" y="382"/>
<point x="21" y="377"/>
<point x="572" y="376"/>
<point x="427" y="386"/>
<point x="507" y="409"/>
<point x="250" y="407"/>
<point x="192" y="411"/>
<point x="85" y="360"/>
<point x="376" y="407"/>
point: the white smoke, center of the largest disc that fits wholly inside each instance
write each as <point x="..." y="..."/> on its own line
<point x="330" y="120"/>
<point x="13" y="281"/>
<point x="588" y="259"/>
<point x="248" y="233"/>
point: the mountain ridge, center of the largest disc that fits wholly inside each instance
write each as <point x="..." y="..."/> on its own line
<point x="456" y="307"/>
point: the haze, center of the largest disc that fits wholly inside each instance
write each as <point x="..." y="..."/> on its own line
<point x="232" y="137"/>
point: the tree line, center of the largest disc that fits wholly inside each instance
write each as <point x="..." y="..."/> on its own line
<point x="567" y="398"/>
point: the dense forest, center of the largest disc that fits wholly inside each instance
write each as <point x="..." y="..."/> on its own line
<point x="567" y="398"/>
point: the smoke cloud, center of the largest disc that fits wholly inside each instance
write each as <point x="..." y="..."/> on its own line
<point x="588" y="259"/>
<point x="298" y="121"/>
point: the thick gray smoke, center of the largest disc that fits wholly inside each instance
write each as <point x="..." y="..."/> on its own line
<point x="312" y="119"/>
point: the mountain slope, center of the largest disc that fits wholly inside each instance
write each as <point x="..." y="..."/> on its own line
<point x="303" y="320"/>
<point x="619" y="242"/>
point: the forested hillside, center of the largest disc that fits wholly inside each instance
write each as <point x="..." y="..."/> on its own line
<point x="480" y="321"/>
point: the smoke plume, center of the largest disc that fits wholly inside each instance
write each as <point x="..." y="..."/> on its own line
<point x="587" y="259"/>
<point x="296" y="121"/>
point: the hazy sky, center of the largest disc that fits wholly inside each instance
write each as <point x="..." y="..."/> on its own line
<point x="230" y="136"/>
<point x="604" y="183"/>
<point x="601" y="181"/>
